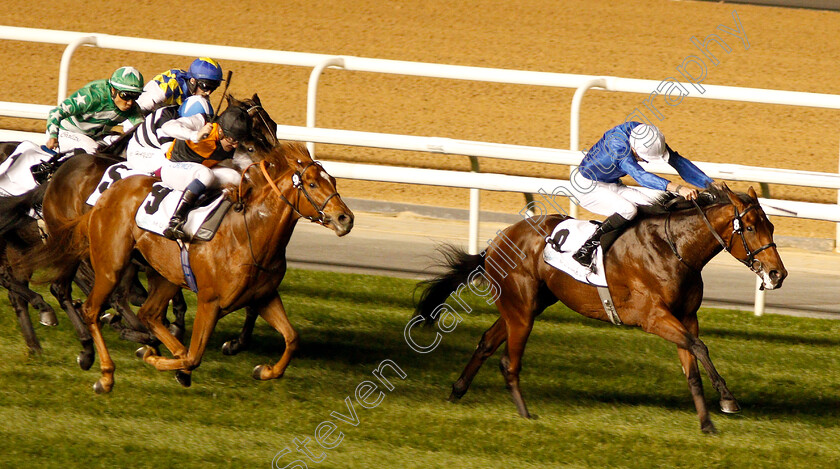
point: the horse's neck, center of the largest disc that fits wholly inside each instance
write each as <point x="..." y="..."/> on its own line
<point x="271" y="221"/>
<point x="694" y="240"/>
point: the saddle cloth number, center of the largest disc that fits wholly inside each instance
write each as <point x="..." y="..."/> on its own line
<point x="159" y="206"/>
<point x="113" y="174"/>
<point x="568" y="236"/>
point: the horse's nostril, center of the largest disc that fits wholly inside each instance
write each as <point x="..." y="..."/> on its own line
<point x="342" y="218"/>
<point x="775" y="275"/>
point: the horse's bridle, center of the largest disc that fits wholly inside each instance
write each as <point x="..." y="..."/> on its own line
<point x="253" y="110"/>
<point x="297" y="182"/>
<point x="737" y="228"/>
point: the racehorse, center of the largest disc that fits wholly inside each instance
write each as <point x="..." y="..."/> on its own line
<point x="242" y="265"/>
<point x="64" y="198"/>
<point x="18" y="232"/>
<point x="653" y="272"/>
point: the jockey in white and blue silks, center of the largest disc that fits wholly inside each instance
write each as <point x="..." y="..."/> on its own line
<point x="597" y="183"/>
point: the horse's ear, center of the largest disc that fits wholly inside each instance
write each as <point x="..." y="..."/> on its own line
<point x="752" y="194"/>
<point x="229" y="97"/>
<point x="733" y="197"/>
<point x="257" y="100"/>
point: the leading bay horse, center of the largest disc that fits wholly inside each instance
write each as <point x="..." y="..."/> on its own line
<point x="653" y="272"/>
<point x="241" y="266"/>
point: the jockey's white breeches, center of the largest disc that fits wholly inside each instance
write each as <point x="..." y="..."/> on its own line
<point x="72" y="140"/>
<point x="178" y="175"/>
<point x="605" y="198"/>
<point x="145" y="158"/>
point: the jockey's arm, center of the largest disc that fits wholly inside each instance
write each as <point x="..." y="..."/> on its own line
<point x="76" y="104"/>
<point x="689" y="171"/>
<point x="152" y="95"/>
<point x="186" y="128"/>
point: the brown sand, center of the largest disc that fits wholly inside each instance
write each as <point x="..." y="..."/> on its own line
<point x="790" y="49"/>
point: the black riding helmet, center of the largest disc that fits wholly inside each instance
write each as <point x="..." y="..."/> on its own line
<point x="235" y="123"/>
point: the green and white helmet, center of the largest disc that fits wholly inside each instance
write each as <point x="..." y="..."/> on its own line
<point x="127" y="79"/>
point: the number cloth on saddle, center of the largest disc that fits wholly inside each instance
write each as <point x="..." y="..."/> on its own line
<point x="568" y="236"/>
<point x="159" y="205"/>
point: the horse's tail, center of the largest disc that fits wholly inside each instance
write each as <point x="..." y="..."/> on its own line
<point x="15" y="211"/>
<point x="66" y="245"/>
<point x="459" y="265"/>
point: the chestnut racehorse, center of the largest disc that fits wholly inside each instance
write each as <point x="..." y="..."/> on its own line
<point x="64" y="199"/>
<point x="653" y="273"/>
<point x="242" y="265"/>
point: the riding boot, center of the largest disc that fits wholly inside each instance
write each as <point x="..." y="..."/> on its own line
<point x="175" y="230"/>
<point x="584" y="255"/>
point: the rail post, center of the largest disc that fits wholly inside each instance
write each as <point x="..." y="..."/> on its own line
<point x="64" y="68"/>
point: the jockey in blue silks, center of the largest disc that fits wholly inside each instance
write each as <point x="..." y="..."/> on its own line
<point x="598" y="187"/>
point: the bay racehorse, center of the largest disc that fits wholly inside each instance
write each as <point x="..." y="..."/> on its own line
<point x="241" y="266"/>
<point x="653" y="272"/>
<point x="64" y="197"/>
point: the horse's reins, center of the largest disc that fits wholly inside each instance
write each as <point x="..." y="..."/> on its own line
<point x="737" y="228"/>
<point x="297" y="183"/>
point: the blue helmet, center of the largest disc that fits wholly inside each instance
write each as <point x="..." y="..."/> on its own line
<point x="195" y="105"/>
<point x="205" y="68"/>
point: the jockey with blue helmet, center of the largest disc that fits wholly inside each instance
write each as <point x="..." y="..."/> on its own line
<point x="146" y="151"/>
<point x="174" y="86"/>
<point x="84" y="119"/>
<point x="620" y="152"/>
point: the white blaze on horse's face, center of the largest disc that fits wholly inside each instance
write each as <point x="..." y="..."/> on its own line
<point x="766" y="281"/>
<point x="324" y="175"/>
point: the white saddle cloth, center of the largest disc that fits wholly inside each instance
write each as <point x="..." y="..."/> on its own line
<point x="159" y="206"/>
<point x="570" y="235"/>
<point x="112" y="175"/>
<point x="15" y="173"/>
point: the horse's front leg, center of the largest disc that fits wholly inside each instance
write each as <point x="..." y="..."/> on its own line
<point x="206" y="318"/>
<point x="232" y="347"/>
<point x="275" y="314"/>
<point x="690" y="346"/>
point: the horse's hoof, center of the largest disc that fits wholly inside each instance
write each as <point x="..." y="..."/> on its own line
<point x="730" y="407"/>
<point x="145" y="351"/>
<point x="176" y="331"/>
<point x="230" y="347"/>
<point x="100" y="388"/>
<point x="47" y="318"/>
<point x="257" y="374"/>
<point x="85" y="360"/>
<point x="708" y="428"/>
<point x="110" y="318"/>
<point x="183" y="378"/>
<point x="453" y="398"/>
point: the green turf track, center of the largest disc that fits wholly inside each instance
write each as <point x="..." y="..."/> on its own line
<point x="604" y="396"/>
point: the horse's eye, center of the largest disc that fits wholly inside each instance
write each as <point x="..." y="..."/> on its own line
<point x="251" y="149"/>
<point x="312" y="185"/>
<point x="749" y="228"/>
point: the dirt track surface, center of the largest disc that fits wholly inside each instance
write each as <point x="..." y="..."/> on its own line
<point x="789" y="49"/>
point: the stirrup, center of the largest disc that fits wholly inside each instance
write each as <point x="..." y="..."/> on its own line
<point x="175" y="231"/>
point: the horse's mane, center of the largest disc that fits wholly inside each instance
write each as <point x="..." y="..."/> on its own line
<point x="669" y="202"/>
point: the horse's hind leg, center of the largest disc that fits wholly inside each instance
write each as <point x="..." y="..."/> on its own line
<point x="232" y="347"/>
<point x="21" y="308"/>
<point x="518" y="330"/>
<point x="61" y="289"/>
<point x="487" y="346"/>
